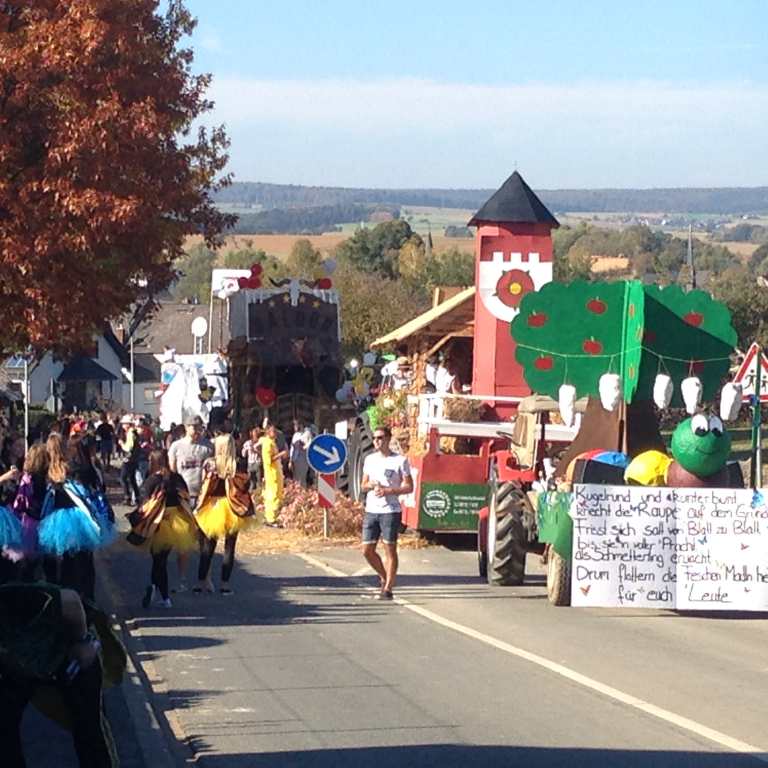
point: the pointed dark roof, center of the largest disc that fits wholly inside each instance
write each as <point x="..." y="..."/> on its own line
<point x="514" y="202"/>
<point x="83" y="368"/>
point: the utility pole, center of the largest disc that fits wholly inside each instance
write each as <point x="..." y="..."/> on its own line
<point x="689" y="259"/>
<point x="133" y="383"/>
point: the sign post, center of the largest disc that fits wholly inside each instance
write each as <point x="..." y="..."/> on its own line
<point x="326" y="455"/>
<point x="756" y="464"/>
<point x="753" y="377"/>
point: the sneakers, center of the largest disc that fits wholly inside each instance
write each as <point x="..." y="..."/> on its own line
<point x="149" y="594"/>
<point x="165" y="603"/>
<point x="182" y="587"/>
<point x="226" y="591"/>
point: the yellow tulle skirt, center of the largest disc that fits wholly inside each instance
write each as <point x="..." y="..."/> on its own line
<point x="177" y="531"/>
<point x="216" y="519"/>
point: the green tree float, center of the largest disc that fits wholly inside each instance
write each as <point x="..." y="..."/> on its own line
<point x="574" y="333"/>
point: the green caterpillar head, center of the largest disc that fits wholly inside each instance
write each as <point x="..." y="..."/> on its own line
<point x="701" y="445"/>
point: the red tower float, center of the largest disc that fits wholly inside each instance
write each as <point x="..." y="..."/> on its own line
<point x="513" y="256"/>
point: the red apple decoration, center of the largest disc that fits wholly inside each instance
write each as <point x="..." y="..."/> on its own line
<point x="324" y="283"/>
<point x="694" y="318"/>
<point x="254" y="282"/>
<point x="537" y="319"/>
<point x="242" y="282"/>
<point x="256" y="269"/>
<point x="597" y="306"/>
<point x="592" y="347"/>
<point x="543" y="363"/>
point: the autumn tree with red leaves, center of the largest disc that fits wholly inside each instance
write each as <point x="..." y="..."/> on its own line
<point x="101" y="177"/>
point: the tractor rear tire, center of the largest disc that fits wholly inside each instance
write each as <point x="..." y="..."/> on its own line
<point x="558" y="579"/>
<point x="507" y="539"/>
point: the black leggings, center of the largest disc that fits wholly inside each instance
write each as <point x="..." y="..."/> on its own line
<point x="90" y="729"/>
<point x="128" y="479"/>
<point x="160" y="571"/>
<point x="207" y="548"/>
<point x="76" y="571"/>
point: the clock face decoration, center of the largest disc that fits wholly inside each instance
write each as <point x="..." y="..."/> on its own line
<point x="503" y="283"/>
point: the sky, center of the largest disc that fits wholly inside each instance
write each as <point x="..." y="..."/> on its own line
<point x="578" y="94"/>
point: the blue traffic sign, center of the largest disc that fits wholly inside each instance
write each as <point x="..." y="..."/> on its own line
<point x="326" y="454"/>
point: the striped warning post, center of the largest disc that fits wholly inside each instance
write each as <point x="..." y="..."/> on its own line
<point x="326" y="488"/>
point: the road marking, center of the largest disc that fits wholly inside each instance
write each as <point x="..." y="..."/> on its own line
<point x="685" y="723"/>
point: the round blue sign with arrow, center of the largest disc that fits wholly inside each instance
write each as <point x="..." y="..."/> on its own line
<point x="326" y="454"/>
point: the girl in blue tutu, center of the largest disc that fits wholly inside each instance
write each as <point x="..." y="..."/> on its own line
<point x="10" y="529"/>
<point x="71" y="528"/>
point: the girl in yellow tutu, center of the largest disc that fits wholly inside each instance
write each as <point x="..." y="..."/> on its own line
<point x="224" y="508"/>
<point x="163" y="521"/>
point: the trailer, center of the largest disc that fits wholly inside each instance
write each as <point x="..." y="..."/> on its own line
<point x="284" y="354"/>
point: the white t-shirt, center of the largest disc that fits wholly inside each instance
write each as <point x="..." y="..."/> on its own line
<point x="443" y="380"/>
<point x="389" y="472"/>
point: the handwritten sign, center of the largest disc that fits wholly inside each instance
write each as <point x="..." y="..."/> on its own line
<point x="686" y="548"/>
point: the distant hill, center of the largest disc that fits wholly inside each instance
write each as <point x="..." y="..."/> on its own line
<point x="721" y="200"/>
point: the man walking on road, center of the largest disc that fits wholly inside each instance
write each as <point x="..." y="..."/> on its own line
<point x="187" y="456"/>
<point x="386" y="476"/>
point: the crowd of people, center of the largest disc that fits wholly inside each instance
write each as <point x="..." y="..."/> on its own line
<point x="188" y="487"/>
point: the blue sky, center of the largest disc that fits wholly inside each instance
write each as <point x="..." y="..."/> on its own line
<point x="574" y="94"/>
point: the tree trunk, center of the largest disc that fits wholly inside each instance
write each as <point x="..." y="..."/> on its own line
<point x="631" y="429"/>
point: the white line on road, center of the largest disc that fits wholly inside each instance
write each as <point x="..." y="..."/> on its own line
<point x="685" y="723"/>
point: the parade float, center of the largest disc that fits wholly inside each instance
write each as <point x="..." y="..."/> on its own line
<point x="498" y="433"/>
<point x="284" y="351"/>
<point x="628" y="521"/>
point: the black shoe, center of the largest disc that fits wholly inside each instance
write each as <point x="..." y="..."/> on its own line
<point x="386" y="594"/>
<point x="149" y="593"/>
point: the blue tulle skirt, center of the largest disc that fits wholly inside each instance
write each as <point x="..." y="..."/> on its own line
<point x="67" y="530"/>
<point x="104" y="517"/>
<point x="10" y="529"/>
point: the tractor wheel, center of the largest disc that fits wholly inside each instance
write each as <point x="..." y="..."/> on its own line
<point x="507" y="540"/>
<point x="558" y="579"/>
<point x="360" y="446"/>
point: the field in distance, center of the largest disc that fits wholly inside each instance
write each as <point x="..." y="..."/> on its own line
<point x="280" y="245"/>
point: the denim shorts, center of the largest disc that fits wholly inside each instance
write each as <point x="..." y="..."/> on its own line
<point x="385" y="526"/>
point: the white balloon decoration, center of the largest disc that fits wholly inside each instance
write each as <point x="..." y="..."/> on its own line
<point x="691" y="390"/>
<point x="610" y="390"/>
<point x="662" y="391"/>
<point x="730" y="401"/>
<point x="566" y="401"/>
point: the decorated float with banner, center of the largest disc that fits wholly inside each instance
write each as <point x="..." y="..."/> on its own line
<point x="629" y="521"/>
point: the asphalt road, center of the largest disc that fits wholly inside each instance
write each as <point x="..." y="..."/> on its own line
<point x="302" y="667"/>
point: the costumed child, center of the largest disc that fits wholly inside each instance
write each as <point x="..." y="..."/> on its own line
<point x="165" y="521"/>
<point x="70" y="528"/>
<point x="272" y="466"/>
<point x="28" y="506"/>
<point x="224" y="509"/>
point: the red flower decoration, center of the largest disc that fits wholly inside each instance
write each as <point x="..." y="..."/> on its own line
<point x="242" y="282"/>
<point x="256" y="269"/>
<point x="265" y="396"/>
<point x="324" y="283"/>
<point x="254" y="282"/>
